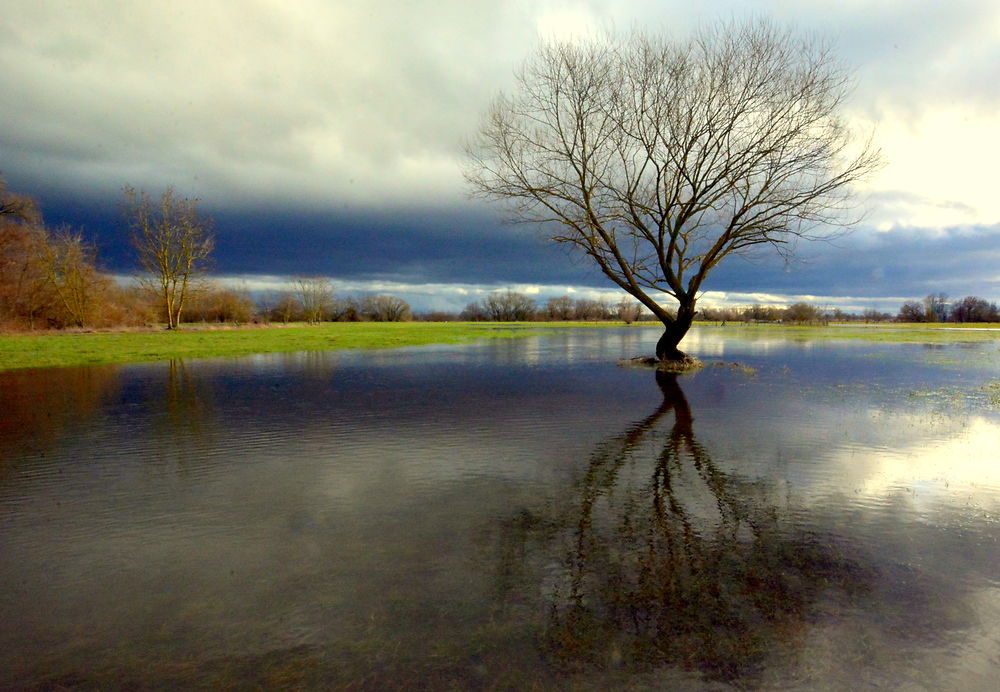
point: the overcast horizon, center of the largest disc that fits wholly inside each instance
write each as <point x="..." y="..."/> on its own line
<point x="326" y="139"/>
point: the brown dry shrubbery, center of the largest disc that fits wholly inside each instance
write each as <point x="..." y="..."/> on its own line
<point x="49" y="278"/>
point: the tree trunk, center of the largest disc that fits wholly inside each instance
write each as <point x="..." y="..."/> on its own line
<point x="673" y="332"/>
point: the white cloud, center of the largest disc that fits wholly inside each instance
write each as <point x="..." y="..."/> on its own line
<point x="362" y="104"/>
<point x="567" y="23"/>
<point x="944" y="161"/>
<point x="309" y="101"/>
<point x="453" y="297"/>
<point x="856" y="304"/>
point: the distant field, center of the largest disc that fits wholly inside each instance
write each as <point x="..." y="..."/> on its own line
<point x="888" y="332"/>
<point x="97" y="348"/>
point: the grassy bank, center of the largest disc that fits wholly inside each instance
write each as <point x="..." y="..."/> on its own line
<point x="69" y="349"/>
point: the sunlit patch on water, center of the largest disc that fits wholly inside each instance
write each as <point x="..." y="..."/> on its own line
<point x="502" y="515"/>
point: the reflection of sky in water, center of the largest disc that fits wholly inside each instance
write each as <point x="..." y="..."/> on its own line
<point x="235" y="507"/>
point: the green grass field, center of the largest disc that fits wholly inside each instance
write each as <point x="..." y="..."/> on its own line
<point x="54" y="349"/>
<point x="97" y="348"/>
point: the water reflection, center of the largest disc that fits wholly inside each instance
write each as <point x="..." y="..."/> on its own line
<point x="187" y="399"/>
<point x="41" y="406"/>
<point x="336" y="521"/>
<point x="665" y="559"/>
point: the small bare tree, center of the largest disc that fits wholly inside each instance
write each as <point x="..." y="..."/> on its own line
<point x="286" y="307"/>
<point x="383" y="308"/>
<point x="508" y="306"/>
<point x="315" y="294"/>
<point x="173" y="243"/>
<point x="559" y="308"/>
<point x="658" y="159"/>
<point x="628" y="310"/>
<point x="67" y="263"/>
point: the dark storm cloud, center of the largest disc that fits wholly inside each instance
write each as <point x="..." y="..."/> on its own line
<point x="326" y="137"/>
<point x="441" y="247"/>
<point x="433" y="248"/>
<point x="876" y="264"/>
<point x="471" y="248"/>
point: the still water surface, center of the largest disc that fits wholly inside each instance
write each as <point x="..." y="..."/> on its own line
<point x="507" y="514"/>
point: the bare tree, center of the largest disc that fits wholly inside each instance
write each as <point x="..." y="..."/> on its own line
<point x="911" y="311"/>
<point x="66" y="262"/>
<point x="383" y="308"/>
<point x="802" y="313"/>
<point x="974" y="309"/>
<point x="286" y="307"/>
<point x="936" y="307"/>
<point x="873" y="315"/>
<point x="218" y="303"/>
<point x="316" y="297"/>
<point x="173" y="243"/>
<point x="508" y="306"/>
<point x="628" y="310"/>
<point x="585" y="309"/>
<point x="560" y="308"/>
<point x="658" y="159"/>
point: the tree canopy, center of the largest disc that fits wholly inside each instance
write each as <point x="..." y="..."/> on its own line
<point x="659" y="158"/>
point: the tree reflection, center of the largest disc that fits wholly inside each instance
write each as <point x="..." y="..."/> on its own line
<point x="40" y="406"/>
<point x="666" y="559"/>
<point x="185" y="408"/>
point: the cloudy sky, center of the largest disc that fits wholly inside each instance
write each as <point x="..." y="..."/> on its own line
<point x="325" y="137"/>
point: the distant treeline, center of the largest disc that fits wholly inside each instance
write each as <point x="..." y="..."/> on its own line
<point x="933" y="308"/>
<point x="937" y="308"/>
<point x="49" y="280"/>
<point x="508" y="306"/>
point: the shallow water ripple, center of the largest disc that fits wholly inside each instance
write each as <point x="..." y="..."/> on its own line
<point x="505" y="515"/>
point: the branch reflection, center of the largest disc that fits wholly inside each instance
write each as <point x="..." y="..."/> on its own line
<point x="666" y="559"/>
<point x="184" y="409"/>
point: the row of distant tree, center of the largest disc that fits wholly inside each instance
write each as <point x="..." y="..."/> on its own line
<point x="937" y="308"/>
<point x="933" y="308"/>
<point x="510" y="306"/>
<point x="49" y="280"/>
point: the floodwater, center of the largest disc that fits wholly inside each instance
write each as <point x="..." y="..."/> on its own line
<point x="506" y="515"/>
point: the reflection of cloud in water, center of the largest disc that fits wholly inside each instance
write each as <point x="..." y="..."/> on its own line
<point x="664" y="557"/>
<point x="667" y="560"/>
<point x="964" y="463"/>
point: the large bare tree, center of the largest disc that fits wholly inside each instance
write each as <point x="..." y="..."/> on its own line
<point x="173" y="243"/>
<point x="659" y="158"/>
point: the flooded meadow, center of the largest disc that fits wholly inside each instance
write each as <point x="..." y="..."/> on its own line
<point x="507" y="514"/>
